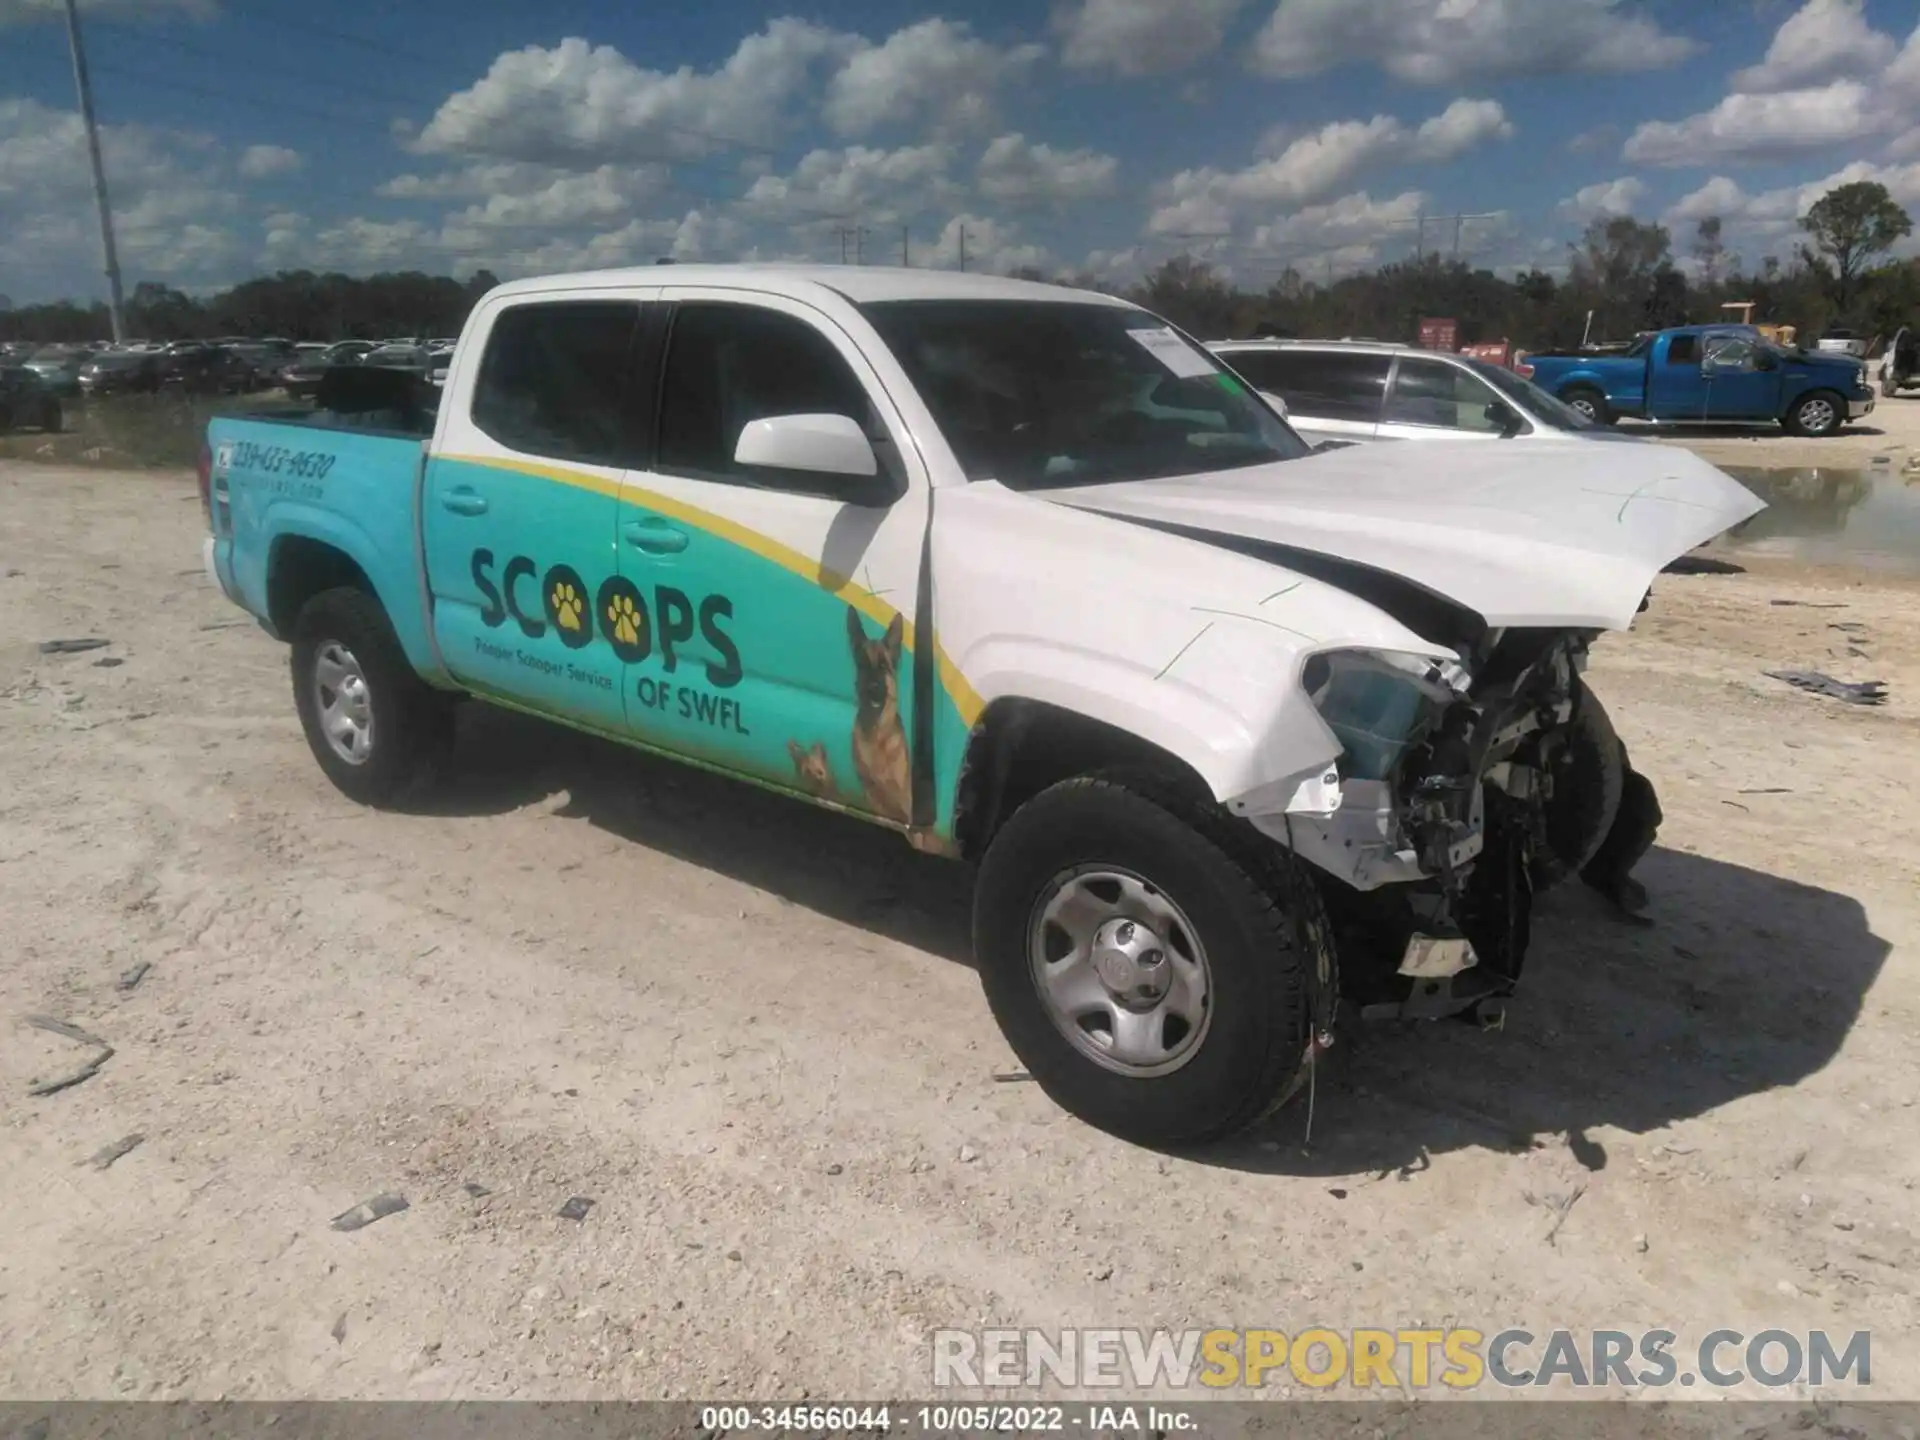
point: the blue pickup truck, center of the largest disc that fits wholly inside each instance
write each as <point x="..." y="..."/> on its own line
<point x="1710" y="372"/>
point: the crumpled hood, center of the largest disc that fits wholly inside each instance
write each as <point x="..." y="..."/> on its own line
<point x="1569" y="539"/>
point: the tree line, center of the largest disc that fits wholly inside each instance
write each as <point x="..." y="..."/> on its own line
<point x="1622" y="276"/>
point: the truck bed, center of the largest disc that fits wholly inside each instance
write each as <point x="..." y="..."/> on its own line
<point x="323" y="476"/>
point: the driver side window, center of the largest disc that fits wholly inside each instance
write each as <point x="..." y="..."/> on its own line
<point x="1432" y="392"/>
<point x="1730" y="352"/>
<point x="729" y="364"/>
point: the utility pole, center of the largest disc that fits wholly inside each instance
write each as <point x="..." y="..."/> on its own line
<point x="1420" y="238"/>
<point x="860" y="233"/>
<point x="85" y="87"/>
<point x="904" y="262"/>
<point x="963" y="247"/>
<point x="843" y="233"/>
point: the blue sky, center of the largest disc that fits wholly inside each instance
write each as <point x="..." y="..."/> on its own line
<point x="1079" y="135"/>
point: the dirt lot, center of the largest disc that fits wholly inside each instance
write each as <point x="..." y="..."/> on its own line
<point x="749" y="1034"/>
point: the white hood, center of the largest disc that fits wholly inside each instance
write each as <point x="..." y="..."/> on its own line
<point x="1564" y="536"/>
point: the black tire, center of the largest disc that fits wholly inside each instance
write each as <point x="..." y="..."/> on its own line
<point x="1587" y="774"/>
<point x="411" y="725"/>
<point x="1816" y="415"/>
<point x="1228" y="886"/>
<point x="1590" y="402"/>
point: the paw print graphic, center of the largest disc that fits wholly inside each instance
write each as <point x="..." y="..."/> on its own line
<point x="568" y="607"/>
<point x="624" y="619"/>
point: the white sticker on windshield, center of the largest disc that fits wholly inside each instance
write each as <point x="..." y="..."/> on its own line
<point x="1174" y="353"/>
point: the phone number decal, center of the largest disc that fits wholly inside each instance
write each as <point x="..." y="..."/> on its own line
<point x="278" y="460"/>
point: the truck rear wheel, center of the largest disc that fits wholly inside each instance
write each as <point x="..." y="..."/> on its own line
<point x="377" y="729"/>
<point x="1816" y="414"/>
<point x="1135" y="953"/>
<point x="1590" y="403"/>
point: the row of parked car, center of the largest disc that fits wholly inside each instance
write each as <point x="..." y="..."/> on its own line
<point x="235" y="366"/>
<point x="1352" y="391"/>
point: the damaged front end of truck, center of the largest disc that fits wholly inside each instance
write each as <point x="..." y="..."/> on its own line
<point x="1462" y="786"/>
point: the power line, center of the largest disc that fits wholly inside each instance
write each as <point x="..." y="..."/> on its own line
<point x="278" y="107"/>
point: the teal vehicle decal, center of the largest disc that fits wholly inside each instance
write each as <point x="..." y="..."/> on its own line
<point x="737" y="652"/>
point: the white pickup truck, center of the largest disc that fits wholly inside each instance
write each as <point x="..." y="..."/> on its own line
<point x="1231" y="730"/>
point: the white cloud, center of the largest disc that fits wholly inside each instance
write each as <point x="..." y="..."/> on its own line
<point x="579" y="100"/>
<point x="1011" y="170"/>
<point x="1901" y="80"/>
<point x="1351" y="220"/>
<point x="27" y="12"/>
<point x="1823" y="40"/>
<point x="936" y="70"/>
<point x="171" y="196"/>
<point x="1759" y="127"/>
<point x="991" y="245"/>
<point x="1777" y="212"/>
<point x="1608" y="197"/>
<point x="1461" y="126"/>
<point x="1314" y="166"/>
<point x="1828" y="79"/>
<point x="876" y="186"/>
<point x="1141" y="37"/>
<point x="258" y="162"/>
<point x="1439" y="42"/>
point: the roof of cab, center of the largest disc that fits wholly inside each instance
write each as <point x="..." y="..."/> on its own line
<point x="862" y="284"/>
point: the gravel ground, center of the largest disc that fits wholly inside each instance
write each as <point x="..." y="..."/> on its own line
<point x="747" y="1032"/>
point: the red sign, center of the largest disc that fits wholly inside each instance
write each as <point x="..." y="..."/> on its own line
<point x="1439" y="335"/>
<point x="1494" y="352"/>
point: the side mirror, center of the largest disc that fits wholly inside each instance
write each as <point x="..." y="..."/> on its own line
<point x="1279" y="405"/>
<point x="1504" y="418"/>
<point x="1766" y="360"/>
<point x="817" y="445"/>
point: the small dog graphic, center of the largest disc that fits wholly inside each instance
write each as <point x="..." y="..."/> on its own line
<point x="810" y="767"/>
<point x="879" y="737"/>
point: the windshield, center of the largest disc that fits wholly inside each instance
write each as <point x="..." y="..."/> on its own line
<point x="1040" y="394"/>
<point x="1548" y="409"/>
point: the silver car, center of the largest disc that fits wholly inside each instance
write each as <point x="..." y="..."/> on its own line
<point x="1365" y="390"/>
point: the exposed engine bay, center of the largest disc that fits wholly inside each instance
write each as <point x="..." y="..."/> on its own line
<point x="1463" y="786"/>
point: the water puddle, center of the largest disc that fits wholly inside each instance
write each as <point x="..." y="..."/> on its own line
<point x="1865" y="517"/>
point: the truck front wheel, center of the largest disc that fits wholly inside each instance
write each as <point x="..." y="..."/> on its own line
<point x="1590" y="403"/>
<point x="377" y="729"/>
<point x="1135" y="953"/>
<point x="1817" y="414"/>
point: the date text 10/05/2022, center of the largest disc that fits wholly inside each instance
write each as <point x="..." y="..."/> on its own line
<point x="631" y="627"/>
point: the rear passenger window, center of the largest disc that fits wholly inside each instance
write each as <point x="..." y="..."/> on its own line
<point x="1274" y="371"/>
<point x="731" y="364"/>
<point x="1683" y="350"/>
<point x="1317" y="384"/>
<point x="555" y="379"/>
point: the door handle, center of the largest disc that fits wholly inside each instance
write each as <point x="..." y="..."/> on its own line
<point x="655" y="536"/>
<point x="464" y="501"/>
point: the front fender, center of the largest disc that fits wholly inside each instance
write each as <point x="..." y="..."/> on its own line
<point x="1228" y="706"/>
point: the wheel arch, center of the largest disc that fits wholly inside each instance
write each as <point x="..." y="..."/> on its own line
<point x="300" y="567"/>
<point x="1021" y="746"/>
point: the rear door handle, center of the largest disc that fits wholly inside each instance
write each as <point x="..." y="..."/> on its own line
<point x="655" y="536"/>
<point x="464" y="501"/>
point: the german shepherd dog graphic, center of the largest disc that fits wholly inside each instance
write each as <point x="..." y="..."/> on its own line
<point x="879" y="736"/>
